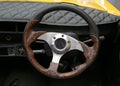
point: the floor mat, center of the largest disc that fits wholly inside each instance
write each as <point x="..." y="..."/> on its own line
<point x="25" y="78"/>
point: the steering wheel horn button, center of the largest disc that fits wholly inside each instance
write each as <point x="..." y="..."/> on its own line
<point x="60" y="43"/>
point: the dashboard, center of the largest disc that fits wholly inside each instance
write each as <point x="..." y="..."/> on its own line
<point x="11" y="35"/>
<point x="14" y="17"/>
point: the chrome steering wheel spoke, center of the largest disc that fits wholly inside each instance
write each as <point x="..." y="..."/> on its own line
<point x="75" y="44"/>
<point x="47" y="37"/>
<point x="56" y="57"/>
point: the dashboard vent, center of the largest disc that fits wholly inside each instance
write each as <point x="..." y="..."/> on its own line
<point x="12" y="26"/>
<point x="11" y="39"/>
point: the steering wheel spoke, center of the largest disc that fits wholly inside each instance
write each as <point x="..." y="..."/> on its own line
<point x="75" y="45"/>
<point x="56" y="57"/>
<point x="53" y="67"/>
<point x="47" y="37"/>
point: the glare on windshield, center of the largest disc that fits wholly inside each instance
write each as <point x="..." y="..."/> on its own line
<point x="115" y="3"/>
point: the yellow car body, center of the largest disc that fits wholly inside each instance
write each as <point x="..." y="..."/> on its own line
<point x="104" y="5"/>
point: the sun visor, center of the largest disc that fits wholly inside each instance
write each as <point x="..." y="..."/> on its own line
<point x="109" y="6"/>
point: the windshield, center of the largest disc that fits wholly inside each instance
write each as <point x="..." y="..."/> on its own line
<point x="110" y="6"/>
<point x="115" y="3"/>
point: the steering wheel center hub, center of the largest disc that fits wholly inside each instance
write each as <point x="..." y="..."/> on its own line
<point x="60" y="43"/>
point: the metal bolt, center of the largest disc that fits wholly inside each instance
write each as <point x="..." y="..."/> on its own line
<point x="62" y="35"/>
<point x="54" y="37"/>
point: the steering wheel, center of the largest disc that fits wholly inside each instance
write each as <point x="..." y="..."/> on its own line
<point x="67" y="43"/>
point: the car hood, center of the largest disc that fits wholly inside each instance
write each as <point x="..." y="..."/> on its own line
<point x="110" y="6"/>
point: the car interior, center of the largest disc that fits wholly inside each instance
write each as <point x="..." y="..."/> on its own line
<point x="45" y="44"/>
